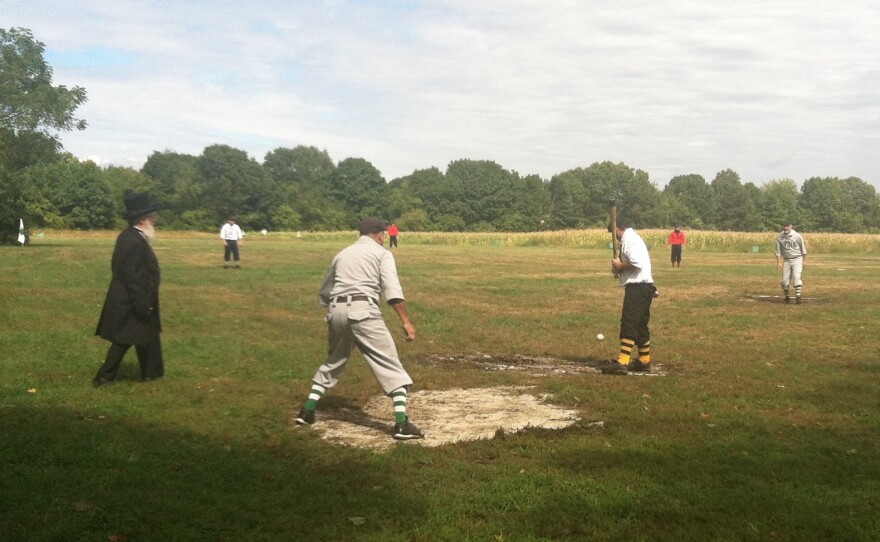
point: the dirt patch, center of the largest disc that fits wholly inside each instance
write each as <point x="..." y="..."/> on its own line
<point x="532" y="365"/>
<point x="446" y="416"/>
<point x="456" y="415"/>
<point x="779" y="299"/>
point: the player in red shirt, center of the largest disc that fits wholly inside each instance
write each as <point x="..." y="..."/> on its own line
<point x="392" y="234"/>
<point x="676" y="241"/>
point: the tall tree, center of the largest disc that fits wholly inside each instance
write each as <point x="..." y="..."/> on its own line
<point x="235" y="184"/>
<point x="780" y="203"/>
<point x="361" y="189"/>
<point x="488" y="192"/>
<point x="693" y="205"/>
<point x="822" y="203"/>
<point x="567" y="200"/>
<point x="304" y="176"/>
<point x="732" y="202"/>
<point x="31" y="111"/>
<point x="860" y="198"/>
<point x="441" y="196"/>
<point x="177" y="187"/>
<point x="69" y="194"/>
<point x="28" y="100"/>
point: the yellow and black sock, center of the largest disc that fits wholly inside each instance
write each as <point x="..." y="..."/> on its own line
<point x="645" y="353"/>
<point x="626" y="347"/>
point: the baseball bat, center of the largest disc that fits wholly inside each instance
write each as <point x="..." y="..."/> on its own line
<point x="615" y="243"/>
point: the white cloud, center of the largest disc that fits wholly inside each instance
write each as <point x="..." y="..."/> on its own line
<point x="771" y="90"/>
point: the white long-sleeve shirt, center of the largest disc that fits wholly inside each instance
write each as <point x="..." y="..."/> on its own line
<point x="231" y="232"/>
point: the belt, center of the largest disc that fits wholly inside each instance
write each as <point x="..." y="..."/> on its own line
<point x="344" y="299"/>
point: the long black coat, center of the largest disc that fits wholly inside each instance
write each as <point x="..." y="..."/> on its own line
<point x="131" y="308"/>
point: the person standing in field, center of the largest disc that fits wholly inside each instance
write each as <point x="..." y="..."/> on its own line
<point x="233" y="239"/>
<point x="130" y="315"/>
<point x="393" y="231"/>
<point x="633" y="268"/>
<point x="358" y="276"/>
<point x="676" y="241"/>
<point x="791" y="253"/>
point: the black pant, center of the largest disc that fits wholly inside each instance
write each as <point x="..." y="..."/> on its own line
<point x="676" y="253"/>
<point x="149" y="358"/>
<point x="231" y="247"/>
<point x="637" y="300"/>
<point x="393" y="241"/>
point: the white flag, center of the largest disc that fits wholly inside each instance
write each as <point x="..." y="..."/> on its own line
<point x="21" y="231"/>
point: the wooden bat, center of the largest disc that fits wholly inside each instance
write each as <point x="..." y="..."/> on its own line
<point x="615" y="243"/>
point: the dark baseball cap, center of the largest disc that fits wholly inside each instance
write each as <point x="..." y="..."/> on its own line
<point x="372" y="225"/>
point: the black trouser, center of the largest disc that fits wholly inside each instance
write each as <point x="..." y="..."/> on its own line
<point x="637" y="300"/>
<point x="149" y="358"/>
<point x="393" y="239"/>
<point x="231" y="248"/>
<point x="676" y="253"/>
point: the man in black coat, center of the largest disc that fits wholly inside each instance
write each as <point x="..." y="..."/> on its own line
<point x="131" y="309"/>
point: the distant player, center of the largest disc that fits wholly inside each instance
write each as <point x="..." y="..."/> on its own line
<point x="791" y="253"/>
<point x="676" y="242"/>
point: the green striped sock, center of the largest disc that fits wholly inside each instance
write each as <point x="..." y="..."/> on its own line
<point x="314" y="395"/>
<point x="398" y="397"/>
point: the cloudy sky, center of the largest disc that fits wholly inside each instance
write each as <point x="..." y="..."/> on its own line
<point x="770" y="89"/>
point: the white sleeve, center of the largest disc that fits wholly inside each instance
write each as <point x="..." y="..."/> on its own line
<point x="391" y="288"/>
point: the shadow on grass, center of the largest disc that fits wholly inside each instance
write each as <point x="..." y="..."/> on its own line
<point x="746" y="485"/>
<point x="69" y="477"/>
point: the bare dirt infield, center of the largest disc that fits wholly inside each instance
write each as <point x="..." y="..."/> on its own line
<point x="457" y="415"/>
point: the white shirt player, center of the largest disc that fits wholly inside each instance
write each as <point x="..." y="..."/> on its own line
<point x="634" y="249"/>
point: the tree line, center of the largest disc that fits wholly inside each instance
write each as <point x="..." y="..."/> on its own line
<point x="303" y="188"/>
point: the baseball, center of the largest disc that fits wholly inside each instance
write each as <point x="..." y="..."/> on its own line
<point x="600" y="337"/>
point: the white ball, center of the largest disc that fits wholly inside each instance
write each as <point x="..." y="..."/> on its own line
<point x="600" y="337"/>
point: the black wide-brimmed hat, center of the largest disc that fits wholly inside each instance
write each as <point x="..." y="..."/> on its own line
<point x="138" y="205"/>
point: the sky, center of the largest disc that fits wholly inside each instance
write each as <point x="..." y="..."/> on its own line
<point x="788" y="89"/>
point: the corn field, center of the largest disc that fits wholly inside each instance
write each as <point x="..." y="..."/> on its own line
<point x="697" y="241"/>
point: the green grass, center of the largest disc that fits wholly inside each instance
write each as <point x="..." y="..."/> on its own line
<point x="766" y="426"/>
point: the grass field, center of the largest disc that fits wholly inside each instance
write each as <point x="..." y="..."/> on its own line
<point x="765" y="426"/>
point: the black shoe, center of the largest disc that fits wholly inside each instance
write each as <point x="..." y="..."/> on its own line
<point x="407" y="431"/>
<point x="637" y="366"/>
<point x="305" y="417"/>
<point x="98" y="382"/>
<point x="612" y="367"/>
<point x="797" y="300"/>
<point x="787" y="300"/>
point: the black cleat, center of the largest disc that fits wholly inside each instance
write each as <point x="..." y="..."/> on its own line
<point x="305" y="417"/>
<point x="637" y="366"/>
<point x="407" y="431"/>
<point x="612" y="367"/>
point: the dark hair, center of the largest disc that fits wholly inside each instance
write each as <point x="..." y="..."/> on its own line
<point x="622" y="223"/>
